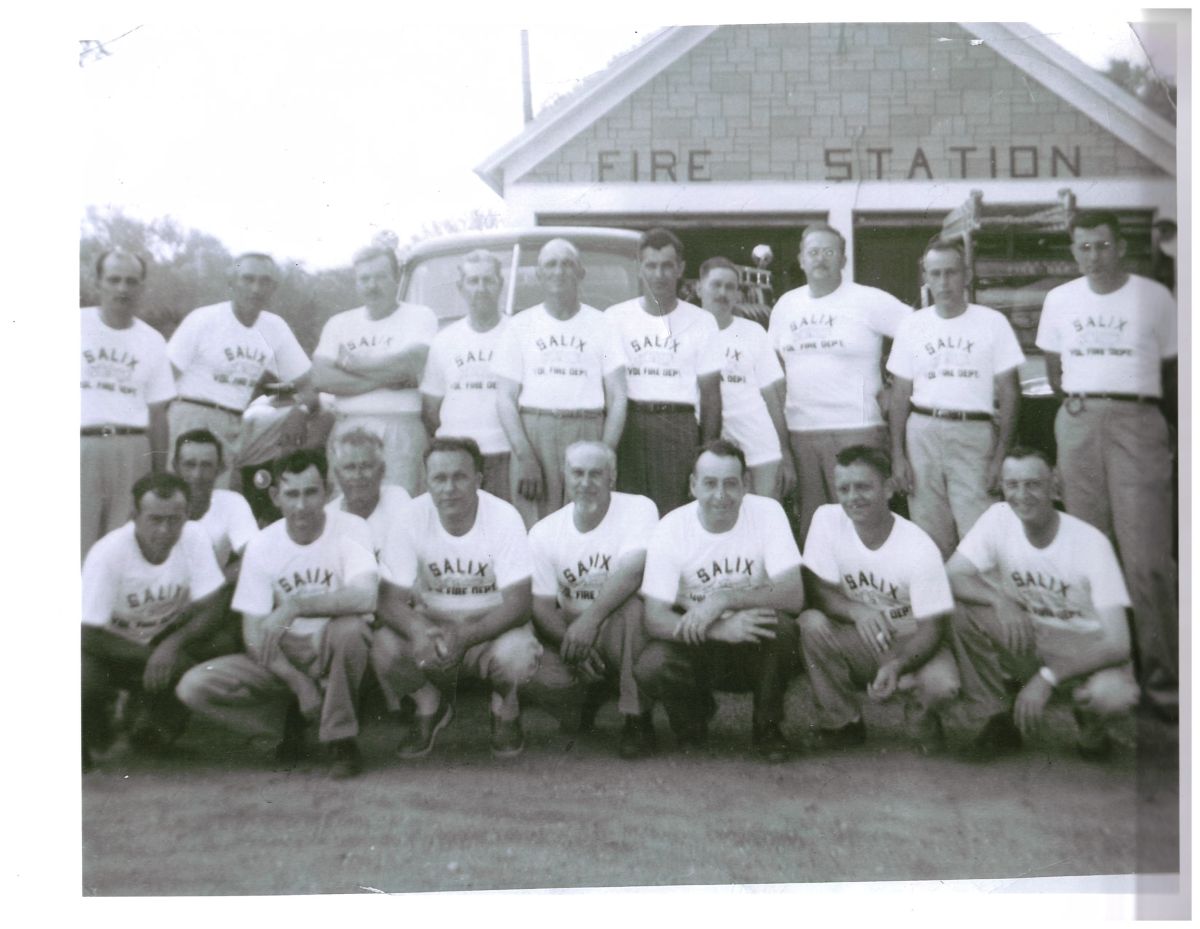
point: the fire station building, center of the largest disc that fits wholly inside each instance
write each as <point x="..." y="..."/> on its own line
<point x="739" y="135"/>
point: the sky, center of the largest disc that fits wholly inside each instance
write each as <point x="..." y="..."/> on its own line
<point x="304" y="138"/>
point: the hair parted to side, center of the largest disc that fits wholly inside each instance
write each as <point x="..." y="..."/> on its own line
<point x="163" y="484"/>
<point x="938" y="244"/>
<point x="1018" y="452"/>
<point x="113" y="252"/>
<point x="719" y="261"/>
<point x="477" y="257"/>
<point x="298" y="462"/>
<point x="875" y="458"/>
<point x="358" y="437"/>
<point x="658" y="238"/>
<point x="722" y="448"/>
<point x="813" y="228"/>
<point x="1094" y="219"/>
<point x="457" y="444"/>
<point x="256" y="256"/>
<point x="199" y="437"/>
<point x="371" y="252"/>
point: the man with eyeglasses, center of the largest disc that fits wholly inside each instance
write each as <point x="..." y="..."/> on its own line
<point x="1111" y="353"/>
<point x="832" y="336"/>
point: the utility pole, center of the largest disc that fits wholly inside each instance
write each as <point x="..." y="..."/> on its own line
<point x="526" y="85"/>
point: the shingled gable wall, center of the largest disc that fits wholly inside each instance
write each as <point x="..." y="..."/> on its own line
<point x="807" y="102"/>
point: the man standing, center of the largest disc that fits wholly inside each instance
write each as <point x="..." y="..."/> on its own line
<point x="722" y="585"/>
<point x="587" y="567"/>
<point x="311" y="571"/>
<point x="149" y="593"/>
<point x="1110" y="345"/>
<point x="954" y="401"/>
<point x="358" y="467"/>
<point x="455" y="598"/>
<point x="751" y="385"/>
<point x="224" y="354"/>
<point x="832" y="336"/>
<point x="673" y="371"/>
<point x="560" y="379"/>
<point x="1042" y="602"/>
<point x="125" y="385"/>
<point x="459" y="393"/>
<point x="372" y="359"/>
<point x="881" y="607"/>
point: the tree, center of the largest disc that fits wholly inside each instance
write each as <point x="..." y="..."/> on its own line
<point x="1159" y="94"/>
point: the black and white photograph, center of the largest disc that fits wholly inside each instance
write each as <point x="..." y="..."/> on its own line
<point x="587" y="457"/>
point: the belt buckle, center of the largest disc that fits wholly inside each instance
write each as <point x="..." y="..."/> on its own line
<point x="1074" y="404"/>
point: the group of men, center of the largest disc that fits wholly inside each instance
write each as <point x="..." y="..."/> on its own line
<point x="555" y="553"/>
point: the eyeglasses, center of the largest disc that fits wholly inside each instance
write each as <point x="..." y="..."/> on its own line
<point x="1087" y="248"/>
<point x="821" y="252"/>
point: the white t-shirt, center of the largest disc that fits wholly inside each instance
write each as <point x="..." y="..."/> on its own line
<point x="1060" y="586"/>
<point x="1110" y="343"/>
<point x="952" y="363"/>
<point x="391" y="509"/>
<point x="121" y="371"/>
<point x="685" y="562"/>
<point x="574" y="565"/>
<point x="408" y="325"/>
<point x="274" y="569"/>
<point x="229" y="524"/>
<point x="460" y="573"/>
<point x="664" y="355"/>
<point x="459" y="372"/>
<point x="831" y="347"/>
<point x="137" y="600"/>
<point x="749" y="366"/>
<point x="222" y="361"/>
<point x="904" y="578"/>
<point x="560" y="365"/>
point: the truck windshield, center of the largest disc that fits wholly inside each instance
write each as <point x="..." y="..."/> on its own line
<point x="611" y="275"/>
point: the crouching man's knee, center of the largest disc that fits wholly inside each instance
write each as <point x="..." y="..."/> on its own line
<point x="513" y="658"/>
<point x="349" y="635"/>
<point x="1109" y="692"/>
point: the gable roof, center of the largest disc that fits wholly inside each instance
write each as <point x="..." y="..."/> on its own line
<point x="1023" y="46"/>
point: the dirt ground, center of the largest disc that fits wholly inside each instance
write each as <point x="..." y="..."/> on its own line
<point x="216" y="818"/>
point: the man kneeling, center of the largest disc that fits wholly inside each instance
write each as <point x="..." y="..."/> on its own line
<point x="881" y="607"/>
<point x="587" y="566"/>
<point x="455" y="596"/>
<point x="722" y="576"/>
<point x="1043" y="603"/>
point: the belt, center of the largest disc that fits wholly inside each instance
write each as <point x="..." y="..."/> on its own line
<point x="562" y="414"/>
<point x="1127" y="398"/>
<point x="643" y="407"/>
<point x="959" y="415"/>
<point x="111" y="430"/>
<point x="213" y="406"/>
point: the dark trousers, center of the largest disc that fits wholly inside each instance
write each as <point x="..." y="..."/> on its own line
<point x="110" y="664"/>
<point x="656" y="455"/>
<point x="683" y="677"/>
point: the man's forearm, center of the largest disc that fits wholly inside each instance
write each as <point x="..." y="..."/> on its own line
<point x="328" y="377"/>
<point x="661" y="619"/>
<point x="204" y="618"/>
<point x="510" y="614"/>
<point x="616" y="403"/>
<point x="510" y="421"/>
<point x="1008" y="396"/>
<point x="622" y="584"/>
<point x="774" y="397"/>
<point x="353" y="598"/>
<point x="400" y="370"/>
<point x="913" y="651"/>
<point x="898" y="414"/>
<point x="831" y="601"/>
<point x="431" y="412"/>
<point x="549" y="620"/>
<point x="785" y="594"/>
